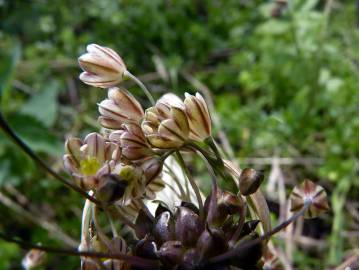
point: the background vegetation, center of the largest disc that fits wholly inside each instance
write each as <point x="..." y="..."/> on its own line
<point x="284" y="80"/>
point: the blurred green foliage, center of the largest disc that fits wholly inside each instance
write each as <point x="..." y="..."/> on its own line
<point x="284" y="80"/>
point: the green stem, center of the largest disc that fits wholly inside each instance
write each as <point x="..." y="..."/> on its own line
<point x="193" y="184"/>
<point x="184" y="195"/>
<point x="141" y="85"/>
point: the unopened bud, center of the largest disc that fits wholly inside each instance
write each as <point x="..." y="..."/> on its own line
<point x="102" y="67"/>
<point x="110" y="188"/>
<point x="171" y="252"/>
<point x="211" y="242"/>
<point x="188" y="226"/>
<point x="164" y="227"/>
<point x="152" y="167"/>
<point x="146" y="248"/>
<point x="249" y="181"/>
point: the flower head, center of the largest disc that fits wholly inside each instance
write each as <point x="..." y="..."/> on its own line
<point x="312" y="193"/>
<point x="165" y="125"/>
<point x="120" y="107"/>
<point x="102" y="67"/>
<point x="89" y="159"/>
<point x="198" y="117"/>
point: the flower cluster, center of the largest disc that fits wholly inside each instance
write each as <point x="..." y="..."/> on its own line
<point x="123" y="169"/>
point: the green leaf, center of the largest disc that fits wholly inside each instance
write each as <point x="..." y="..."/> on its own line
<point x="7" y="72"/>
<point x="44" y="105"/>
<point x="36" y="135"/>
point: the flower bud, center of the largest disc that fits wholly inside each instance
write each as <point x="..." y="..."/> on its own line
<point x="102" y="67"/>
<point x="188" y="226"/>
<point x="249" y="257"/>
<point x="190" y="259"/>
<point x="198" y="117"/>
<point x="146" y="248"/>
<point x="211" y="242"/>
<point x="165" y="125"/>
<point x="308" y="192"/>
<point x="152" y="167"/>
<point x="120" y="107"/>
<point x="171" y="252"/>
<point x="34" y="258"/>
<point x="249" y="181"/>
<point x="164" y="227"/>
<point x="111" y="188"/>
<point x="143" y="224"/>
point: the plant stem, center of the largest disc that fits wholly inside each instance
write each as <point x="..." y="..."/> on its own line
<point x="184" y="195"/>
<point x="134" y="260"/>
<point x="7" y="129"/>
<point x="229" y="254"/>
<point x="141" y="85"/>
<point x="193" y="184"/>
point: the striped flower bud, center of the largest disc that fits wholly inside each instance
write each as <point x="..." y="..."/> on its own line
<point x="120" y="107"/>
<point x="165" y="125"/>
<point x="132" y="141"/>
<point x="198" y="117"/>
<point x="102" y="67"/>
<point x="152" y="167"/>
<point x="308" y="192"/>
<point x="88" y="160"/>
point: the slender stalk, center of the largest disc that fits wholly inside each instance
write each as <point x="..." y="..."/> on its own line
<point x="141" y="85"/>
<point x="134" y="260"/>
<point x="112" y="224"/>
<point x="7" y="129"/>
<point x="184" y="195"/>
<point x="125" y="220"/>
<point x="212" y="144"/>
<point x="101" y="234"/>
<point x="193" y="184"/>
<point x="242" y="218"/>
<point x="229" y="254"/>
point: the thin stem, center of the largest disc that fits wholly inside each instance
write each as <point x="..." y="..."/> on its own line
<point x="125" y="220"/>
<point x="246" y="245"/>
<point x="212" y="144"/>
<point x="7" y="129"/>
<point x="134" y="260"/>
<point x="101" y="234"/>
<point x="242" y="218"/>
<point x="184" y="196"/>
<point x="141" y="85"/>
<point x="193" y="184"/>
<point x="112" y="224"/>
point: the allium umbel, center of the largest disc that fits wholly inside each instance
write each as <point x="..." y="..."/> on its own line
<point x="161" y="219"/>
<point x="102" y="67"/>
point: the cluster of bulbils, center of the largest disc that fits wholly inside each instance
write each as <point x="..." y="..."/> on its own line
<point x="124" y="164"/>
